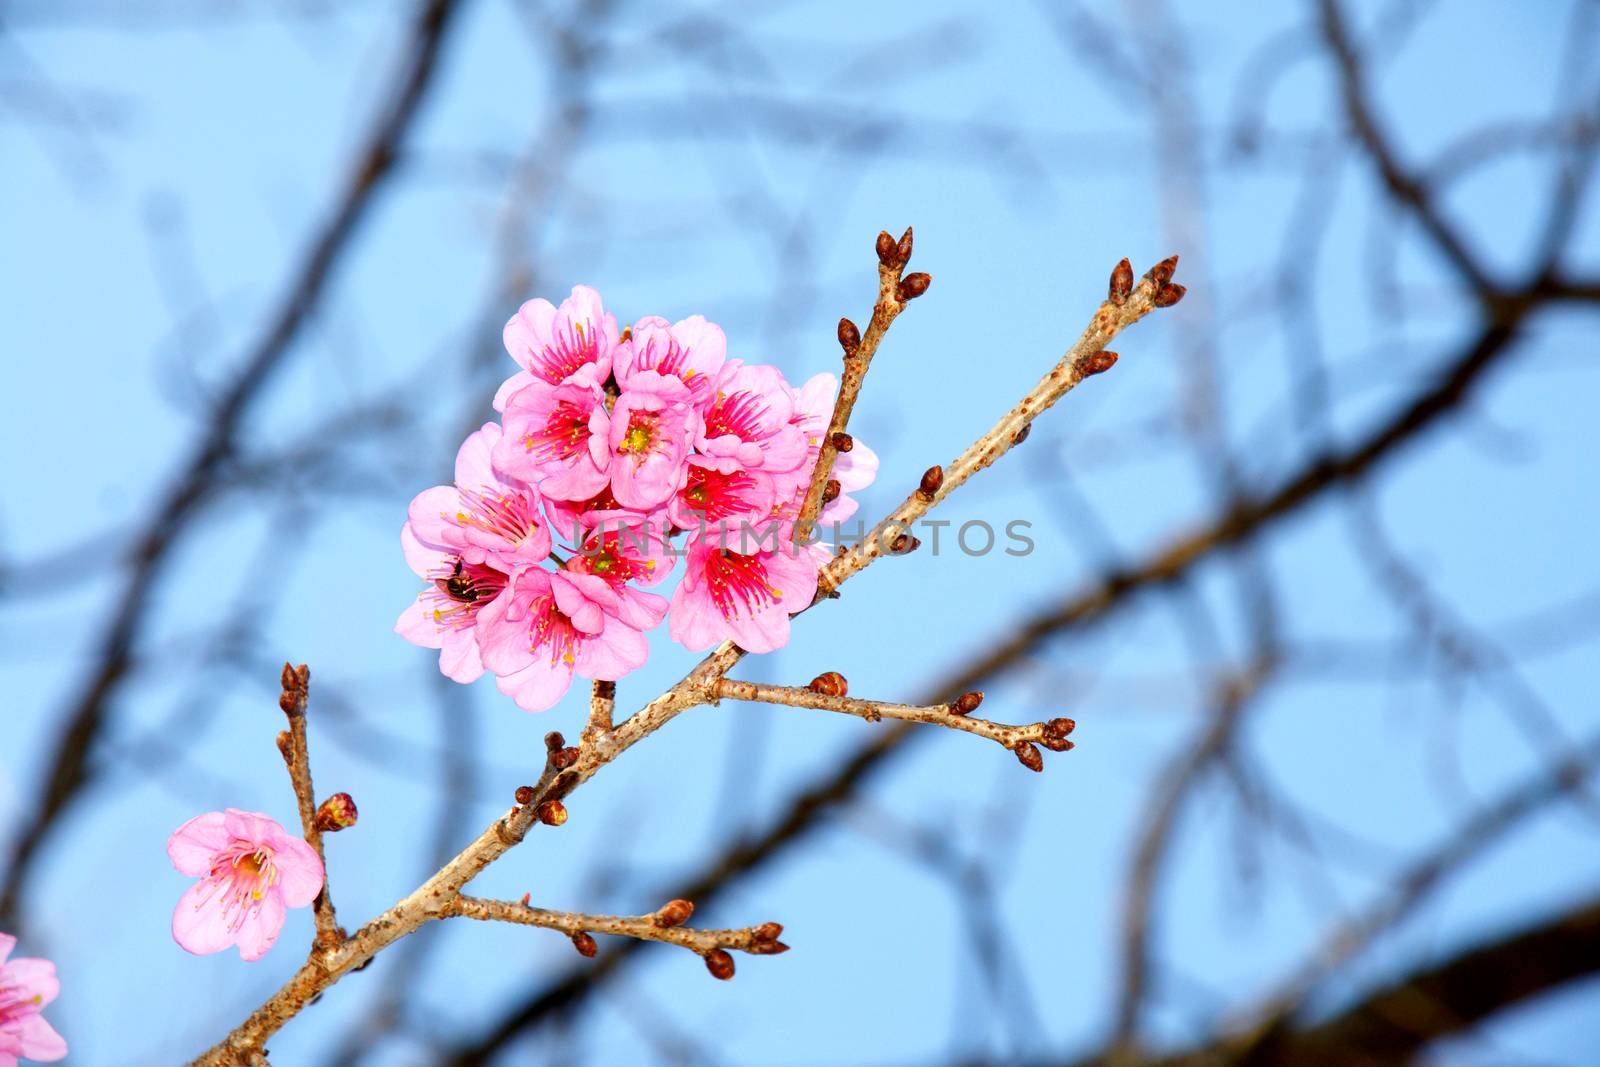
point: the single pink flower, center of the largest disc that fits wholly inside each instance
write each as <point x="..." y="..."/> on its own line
<point x="710" y="495"/>
<point x="652" y="425"/>
<point x="485" y="517"/>
<point x="742" y="584"/>
<point x="26" y="986"/>
<point x="550" y="626"/>
<point x="622" y="549"/>
<point x="854" y="470"/>
<point x="445" y="613"/>
<point x="692" y="351"/>
<point x="750" y="422"/>
<point x="557" y="438"/>
<point x="251" y="871"/>
<point x="555" y="345"/>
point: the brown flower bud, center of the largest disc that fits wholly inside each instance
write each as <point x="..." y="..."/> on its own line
<point x="1121" y="283"/>
<point x="336" y="813"/>
<point x="583" y="941"/>
<point x="903" y="248"/>
<point x="553" y="741"/>
<point x="967" y="703"/>
<point x="527" y="900"/>
<point x="552" y="813"/>
<point x="1060" y="727"/>
<point x="1057" y="744"/>
<point x="1161" y="273"/>
<point x="673" y="913"/>
<point x="849" y="337"/>
<point x="912" y="286"/>
<point x="1099" y="363"/>
<point x="843" y="442"/>
<point x="290" y="702"/>
<point x="903" y="544"/>
<point x="888" y="250"/>
<point x="767" y="948"/>
<point x="289" y="678"/>
<point x="284" y="748"/>
<point x="932" y="481"/>
<point x="1168" y="295"/>
<point x="1029" y="756"/>
<point x="767" y="932"/>
<point x="1021" y="435"/>
<point x="831" y="684"/>
<point x="524" y="795"/>
<point x="562" y="758"/>
<point x="831" y="490"/>
<point x="720" y="964"/>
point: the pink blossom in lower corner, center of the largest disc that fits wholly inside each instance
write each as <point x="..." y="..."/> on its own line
<point x="251" y="872"/>
<point x="742" y="584"/>
<point x="26" y="986"/>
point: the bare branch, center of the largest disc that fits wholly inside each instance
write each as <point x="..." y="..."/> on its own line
<point x="659" y="926"/>
<point x="1020" y="739"/>
<point x="297" y="758"/>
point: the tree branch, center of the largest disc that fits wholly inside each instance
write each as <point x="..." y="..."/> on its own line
<point x="662" y="926"/>
<point x="1020" y="739"/>
<point x="297" y="758"/>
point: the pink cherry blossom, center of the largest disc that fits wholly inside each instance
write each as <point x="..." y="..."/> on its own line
<point x="445" y="613"/>
<point x="854" y="470"/>
<point x="692" y="351"/>
<point x="742" y="584"/>
<point x="485" y="517"/>
<point x="557" y="438"/>
<point x="552" y="625"/>
<point x="251" y="871"/>
<point x="710" y="495"/>
<point x="555" y="345"/>
<point x="621" y="549"/>
<point x="652" y="426"/>
<point x="26" y="986"/>
<point x="750" y="423"/>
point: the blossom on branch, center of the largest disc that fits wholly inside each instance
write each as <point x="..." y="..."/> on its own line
<point x="742" y="583"/>
<point x="26" y="986"/>
<point x="556" y="345"/>
<point x="635" y="448"/>
<point x="551" y="625"/>
<point x="251" y="872"/>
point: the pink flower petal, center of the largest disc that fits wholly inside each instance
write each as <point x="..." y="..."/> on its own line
<point x="198" y="925"/>
<point x="260" y="929"/>
<point x="192" y="845"/>
<point x="39" y="1040"/>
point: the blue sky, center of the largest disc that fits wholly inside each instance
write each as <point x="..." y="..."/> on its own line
<point x="142" y="255"/>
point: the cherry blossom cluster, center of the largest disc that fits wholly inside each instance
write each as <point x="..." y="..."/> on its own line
<point x="617" y="453"/>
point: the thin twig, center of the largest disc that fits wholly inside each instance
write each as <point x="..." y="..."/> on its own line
<point x="297" y="758"/>
<point x="759" y="940"/>
<point x="1049" y="733"/>
<point x="857" y="359"/>
<point x="1083" y="359"/>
